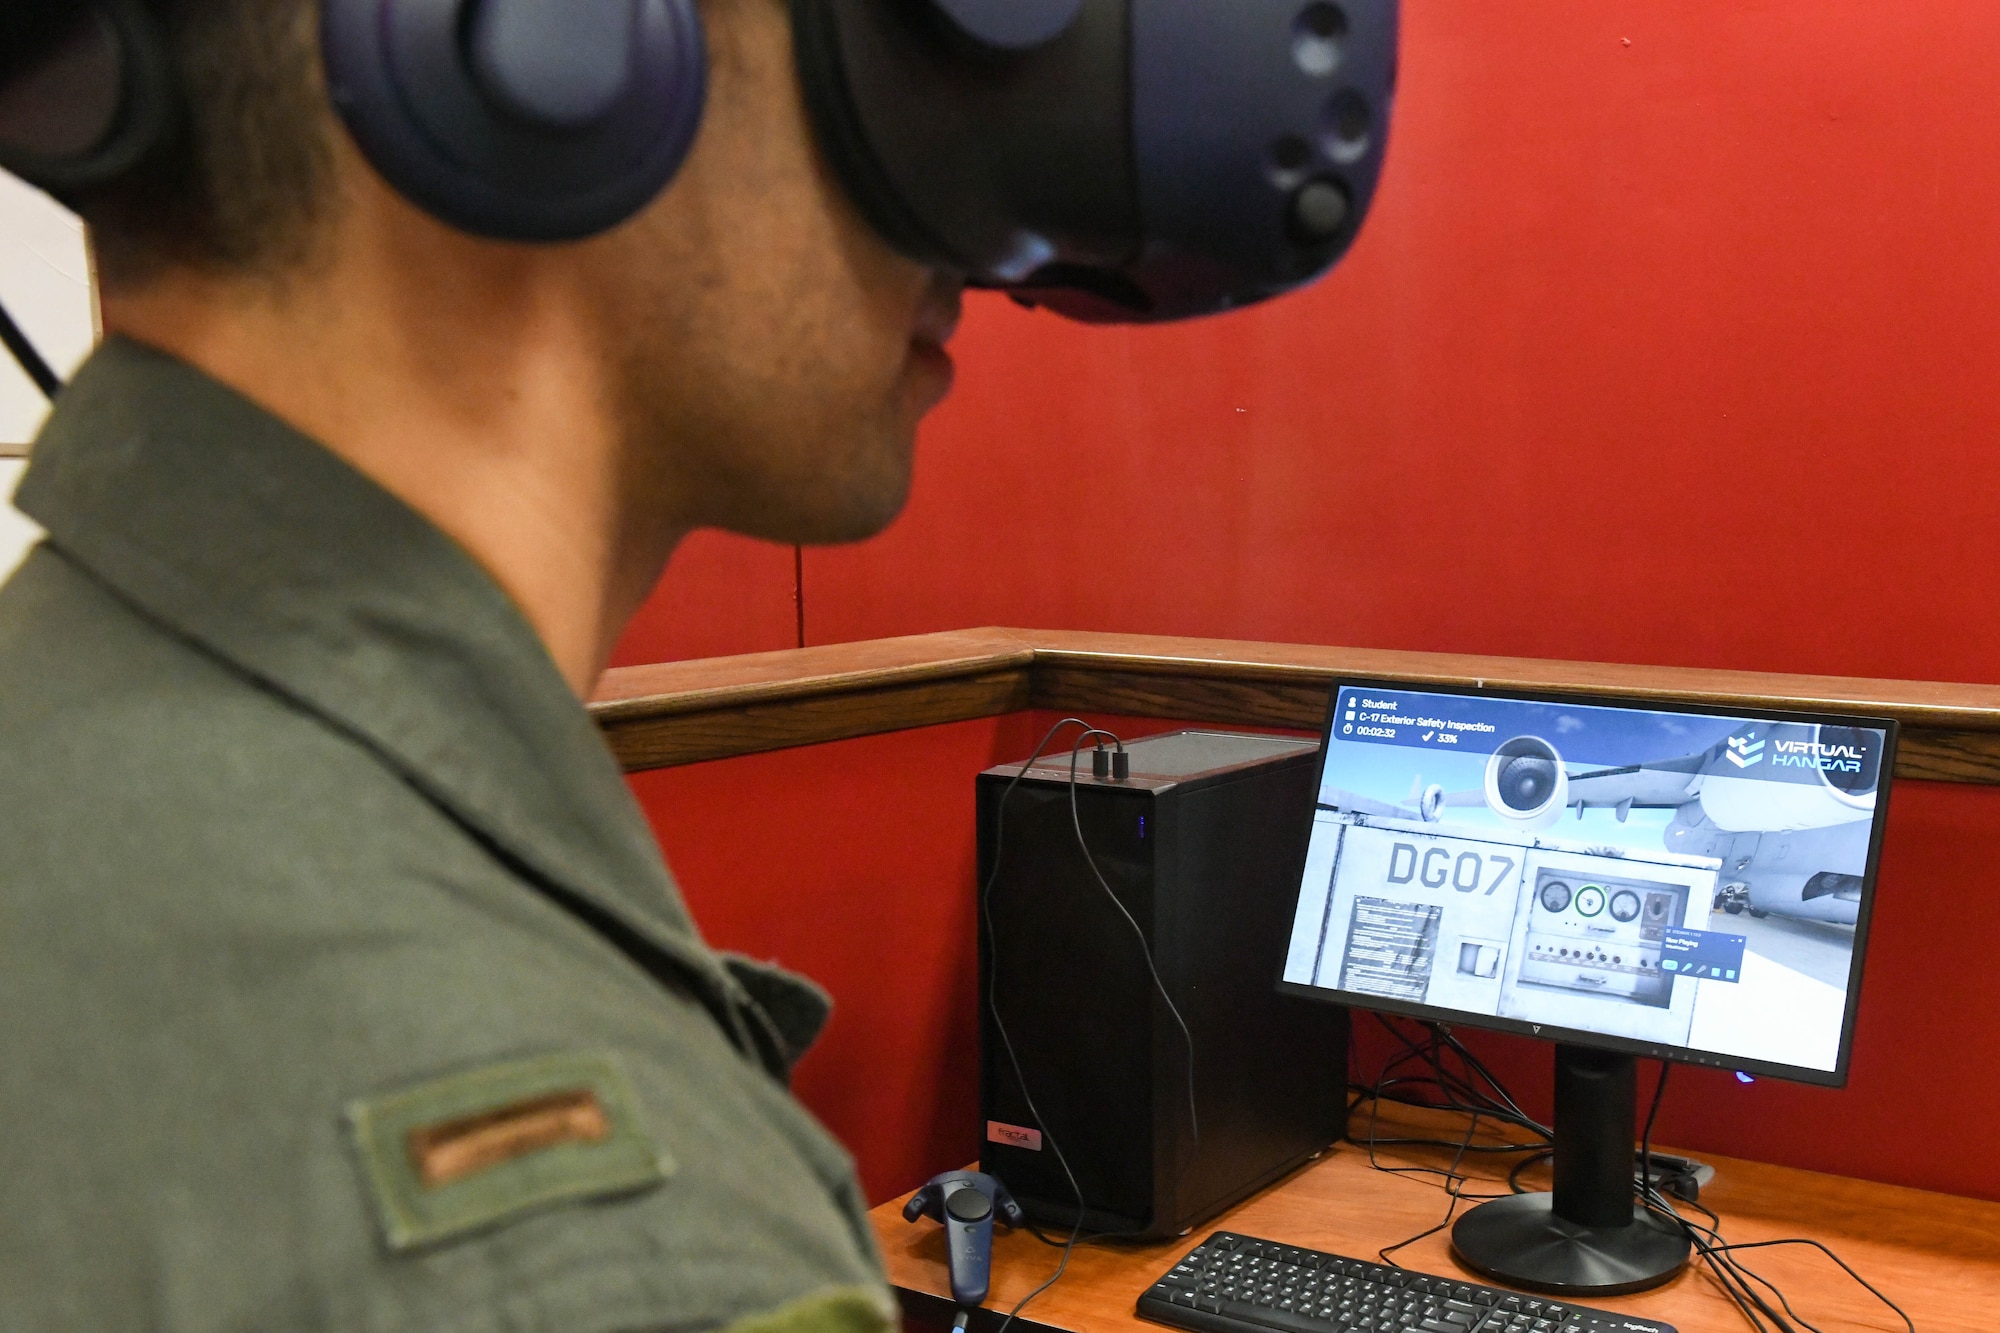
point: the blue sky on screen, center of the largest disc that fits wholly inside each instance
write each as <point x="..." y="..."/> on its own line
<point x="1585" y="737"/>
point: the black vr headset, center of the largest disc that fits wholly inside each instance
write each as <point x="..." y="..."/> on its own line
<point x="1119" y="161"/>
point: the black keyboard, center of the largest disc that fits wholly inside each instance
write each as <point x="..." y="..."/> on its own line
<point x="1237" y="1284"/>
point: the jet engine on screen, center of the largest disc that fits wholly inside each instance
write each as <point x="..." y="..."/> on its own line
<point x="1785" y="807"/>
<point x="1526" y="783"/>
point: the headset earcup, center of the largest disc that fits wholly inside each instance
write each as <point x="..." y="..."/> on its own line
<point x="95" y="106"/>
<point x="843" y="138"/>
<point x="399" y="74"/>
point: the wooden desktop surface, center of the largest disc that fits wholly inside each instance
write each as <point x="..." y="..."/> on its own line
<point x="1935" y="1255"/>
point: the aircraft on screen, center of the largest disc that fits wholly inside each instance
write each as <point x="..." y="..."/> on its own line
<point x="1786" y="808"/>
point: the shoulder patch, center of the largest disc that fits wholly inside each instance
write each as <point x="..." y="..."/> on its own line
<point x="469" y="1151"/>
<point x="836" y="1310"/>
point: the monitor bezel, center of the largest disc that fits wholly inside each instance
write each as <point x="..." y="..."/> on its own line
<point x="1456" y="1018"/>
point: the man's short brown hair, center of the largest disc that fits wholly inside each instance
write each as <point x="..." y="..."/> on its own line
<point x="247" y="179"/>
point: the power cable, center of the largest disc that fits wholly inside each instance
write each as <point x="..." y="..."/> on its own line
<point x="1459" y="1092"/>
<point x="31" y="360"/>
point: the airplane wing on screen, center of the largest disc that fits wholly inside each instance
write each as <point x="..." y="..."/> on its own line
<point x="1663" y="784"/>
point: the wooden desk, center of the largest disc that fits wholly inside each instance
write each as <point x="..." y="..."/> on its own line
<point x="1935" y="1255"/>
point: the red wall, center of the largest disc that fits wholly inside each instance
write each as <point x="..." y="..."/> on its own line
<point x="853" y="863"/>
<point x="1672" y="340"/>
<point x="722" y="594"/>
<point x="1681" y="351"/>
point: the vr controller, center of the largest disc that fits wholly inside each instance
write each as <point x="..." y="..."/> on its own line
<point x="966" y="1202"/>
<point x="1113" y="160"/>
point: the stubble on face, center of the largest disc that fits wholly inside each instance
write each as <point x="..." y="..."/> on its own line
<point x="771" y="356"/>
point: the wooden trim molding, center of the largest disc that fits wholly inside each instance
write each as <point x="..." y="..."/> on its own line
<point x="686" y="712"/>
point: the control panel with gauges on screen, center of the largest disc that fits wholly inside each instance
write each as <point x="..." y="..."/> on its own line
<point x="1603" y="936"/>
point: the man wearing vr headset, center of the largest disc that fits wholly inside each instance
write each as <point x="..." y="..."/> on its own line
<point x="344" y="985"/>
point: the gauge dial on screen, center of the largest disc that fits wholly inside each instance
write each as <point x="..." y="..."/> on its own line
<point x="1589" y="900"/>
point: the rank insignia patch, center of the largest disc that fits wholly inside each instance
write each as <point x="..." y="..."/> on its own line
<point x="472" y="1150"/>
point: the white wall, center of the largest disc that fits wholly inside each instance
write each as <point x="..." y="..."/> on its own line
<point x="45" y="285"/>
<point x="17" y="533"/>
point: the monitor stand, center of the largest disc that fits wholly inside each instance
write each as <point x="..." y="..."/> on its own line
<point x="1592" y="1236"/>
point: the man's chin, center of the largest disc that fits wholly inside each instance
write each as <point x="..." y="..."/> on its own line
<point x="861" y="519"/>
<point x="822" y="514"/>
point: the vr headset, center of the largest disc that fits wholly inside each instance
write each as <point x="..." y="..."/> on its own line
<point x="1117" y="161"/>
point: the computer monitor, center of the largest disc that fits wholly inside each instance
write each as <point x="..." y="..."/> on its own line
<point x="1622" y="877"/>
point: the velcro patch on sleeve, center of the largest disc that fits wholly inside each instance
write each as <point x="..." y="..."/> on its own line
<point x="472" y="1150"/>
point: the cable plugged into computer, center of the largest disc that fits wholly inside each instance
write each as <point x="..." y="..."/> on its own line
<point x="966" y="1202"/>
<point x="1110" y="761"/>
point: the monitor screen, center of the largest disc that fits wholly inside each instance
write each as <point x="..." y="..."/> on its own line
<point x="1674" y="882"/>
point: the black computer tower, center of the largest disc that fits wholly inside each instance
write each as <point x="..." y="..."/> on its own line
<point x="1203" y="844"/>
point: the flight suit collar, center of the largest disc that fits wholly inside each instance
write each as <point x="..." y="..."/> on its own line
<point x="238" y="533"/>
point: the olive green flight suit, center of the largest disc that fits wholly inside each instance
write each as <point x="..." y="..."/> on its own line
<point x="341" y="984"/>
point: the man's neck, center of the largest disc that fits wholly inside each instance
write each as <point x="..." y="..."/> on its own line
<point x="480" y="408"/>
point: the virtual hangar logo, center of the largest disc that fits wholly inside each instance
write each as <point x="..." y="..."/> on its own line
<point x="1746" y="750"/>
